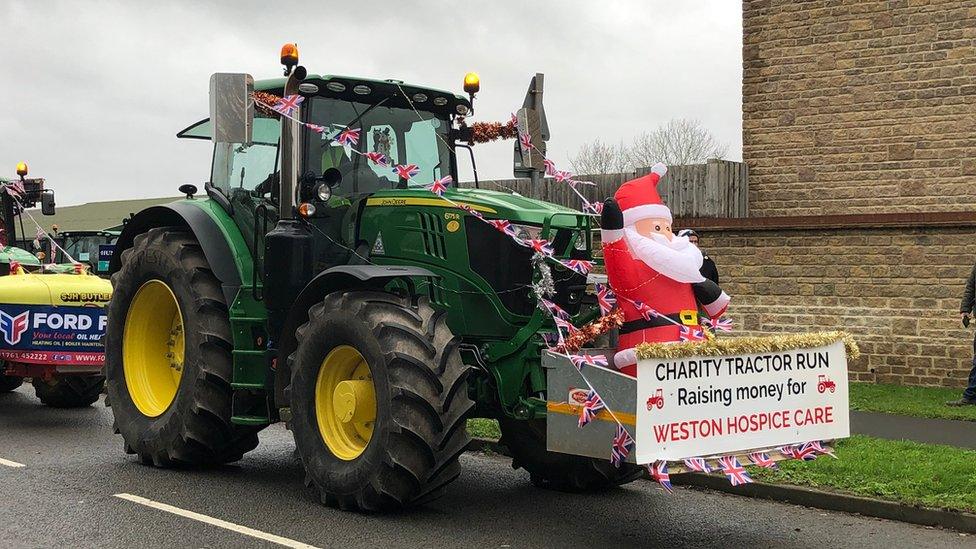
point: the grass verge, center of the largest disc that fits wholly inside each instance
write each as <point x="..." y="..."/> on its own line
<point x="909" y="401"/>
<point x="902" y="471"/>
<point x="484" y="428"/>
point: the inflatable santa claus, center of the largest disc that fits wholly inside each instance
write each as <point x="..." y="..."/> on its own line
<point x="654" y="273"/>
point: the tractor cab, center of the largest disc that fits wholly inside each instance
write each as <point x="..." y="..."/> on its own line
<point x="17" y="196"/>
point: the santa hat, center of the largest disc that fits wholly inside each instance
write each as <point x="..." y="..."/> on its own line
<point x="638" y="198"/>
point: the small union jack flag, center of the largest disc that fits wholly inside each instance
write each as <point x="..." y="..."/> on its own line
<point x="788" y="451"/>
<point x="513" y="120"/>
<point x="588" y="360"/>
<point x="554" y="310"/>
<point x="595" y="207"/>
<point x="288" y="105"/>
<point x="659" y="472"/>
<point x="820" y="448"/>
<point x="550" y="167"/>
<point x="377" y="158"/>
<point x="565" y="325"/>
<point x="14" y="267"/>
<point x="315" y="128"/>
<point x="736" y="472"/>
<point x="406" y="171"/>
<point x="591" y="406"/>
<point x="348" y="137"/>
<point x="578" y="265"/>
<point x="540" y="245"/>
<point x="16" y="189"/>
<point x="719" y="325"/>
<point x="807" y="452"/>
<point x="645" y="310"/>
<point x="686" y="333"/>
<point x="605" y="298"/>
<point x="762" y="459"/>
<point x="698" y="464"/>
<point x="622" y="444"/>
<point x="551" y="339"/>
<point x="525" y="142"/>
<point x="562" y="177"/>
<point x="439" y="186"/>
<point x="471" y="211"/>
<point x="503" y="225"/>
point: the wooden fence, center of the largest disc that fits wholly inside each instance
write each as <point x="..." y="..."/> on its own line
<point x="719" y="188"/>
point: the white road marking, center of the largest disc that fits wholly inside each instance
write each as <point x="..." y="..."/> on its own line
<point x="9" y="463"/>
<point x="216" y="522"/>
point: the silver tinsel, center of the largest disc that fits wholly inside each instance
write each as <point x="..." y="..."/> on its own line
<point x="544" y="287"/>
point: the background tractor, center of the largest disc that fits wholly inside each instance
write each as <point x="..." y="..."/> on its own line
<point x="51" y="315"/>
<point x="314" y="287"/>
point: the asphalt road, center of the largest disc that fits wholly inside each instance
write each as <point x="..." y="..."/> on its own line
<point x="73" y="467"/>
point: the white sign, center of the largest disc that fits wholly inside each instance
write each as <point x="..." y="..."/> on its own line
<point x="702" y="406"/>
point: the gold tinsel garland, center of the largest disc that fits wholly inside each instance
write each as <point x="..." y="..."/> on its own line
<point x="483" y="132"/>
<point x="267" y="99"/>
<point x="748" y="345"/>
<point x="575" y="341"/>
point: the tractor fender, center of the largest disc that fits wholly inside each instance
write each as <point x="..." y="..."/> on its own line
<point x="342" y="277"/>
<point x="204" y="228"/>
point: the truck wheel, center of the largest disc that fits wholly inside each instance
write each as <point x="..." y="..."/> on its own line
<point x="69" y="391"/>
<point x="378" y="398"/>
<point x="526" y="439"/>
<point x="9" y="383"/>
<point x="168" y="355"/>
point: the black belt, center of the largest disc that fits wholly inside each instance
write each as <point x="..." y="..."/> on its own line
<point x="654" y="322"/>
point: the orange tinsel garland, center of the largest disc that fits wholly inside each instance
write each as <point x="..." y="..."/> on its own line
<point x="264" y="98"/>
<point x="483" y="132"/>
<point x="593" y="330"/>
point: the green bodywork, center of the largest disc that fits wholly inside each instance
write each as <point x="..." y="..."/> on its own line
<point x="11" y="253"/>
<point x="417" y="228"/>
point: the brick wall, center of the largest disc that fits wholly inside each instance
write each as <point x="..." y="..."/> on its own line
<point x="896" y="290"/>
<point x="859" y="106"/>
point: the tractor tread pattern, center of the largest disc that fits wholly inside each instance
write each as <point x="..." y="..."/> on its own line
<point x="74" y="391"/>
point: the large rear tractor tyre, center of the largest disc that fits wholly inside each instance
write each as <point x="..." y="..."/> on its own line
<point x="69" y="391"/>
<point x="9" y="383"/>
<point x="379" y="398"/>
<point x="526" y="439"/>
<point x="168" y="355"/>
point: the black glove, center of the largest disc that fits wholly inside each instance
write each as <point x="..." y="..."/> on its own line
<point x="611" y="218"/>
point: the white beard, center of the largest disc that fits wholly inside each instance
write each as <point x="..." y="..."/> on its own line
<point x="677" y="259"/>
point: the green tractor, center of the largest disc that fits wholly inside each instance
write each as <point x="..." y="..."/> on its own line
<point x="314" y="287"/>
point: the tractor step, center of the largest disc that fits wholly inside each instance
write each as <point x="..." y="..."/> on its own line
<point x="250" y="420"/>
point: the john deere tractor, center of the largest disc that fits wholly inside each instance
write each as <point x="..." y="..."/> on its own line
<point x="315" y="286"/>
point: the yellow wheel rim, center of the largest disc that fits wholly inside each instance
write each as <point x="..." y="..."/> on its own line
<point x="152" y="348"/>
<point x="345" y="402"/>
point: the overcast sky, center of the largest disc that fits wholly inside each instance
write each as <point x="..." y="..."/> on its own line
<point x="93" y="92"/>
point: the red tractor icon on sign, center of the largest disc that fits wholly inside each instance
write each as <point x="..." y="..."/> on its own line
<point x="825" y="384"/>
<point x="657" y="399"/>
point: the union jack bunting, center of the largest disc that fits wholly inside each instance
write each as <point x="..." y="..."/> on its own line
<point x="762" y="459"/>
<point x="622" y="443"/>
<point x="686" y="333"/>
<point x="645" y="311"/>
<point x="554" y="310"/>
<point x="348" y="137"/>
<point x="14" y="267"/>
<point x="406" y="171"/>
<point x="565" y="325"/>
<point x="605" y="298"/>
<point x="807" y="452"/>
<point x="698" y="464"/>
<point x="503" y="225"/>
<point x="659" y="472"/>
<point x="595" y="207"/>
<point x="513" y="120"/>
<point x="788" y="451"/>
<point x="288" y="105"/>
<point x="736" y="472"/>
<point x="40" y="234"/>
<point x="15" y="188"/>
<point x="540" y="245"/>
<point x="439" y="186"/>
<point x="719" y="325"/>
<point x="377" y="158"/>
<point x="588" y="360"/>
<point x="550" y="167"/>
<point x="820" y="448"/>
<point x="562" y="176"/>
<point x="591" y="406"/>
<point x="578" y="265"/>
<point x="315" y="128"/>
<point x="472" y="211"/>
<point x="525" y="142"/>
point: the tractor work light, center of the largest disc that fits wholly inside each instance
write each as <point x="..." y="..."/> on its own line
<point x="22" y="169"/>
<point x="472" y="83"/>
<point x="324" y="192"/>
<point x="289" y="56"/>
<point x="337" y="87"/>
<point x="361" y="89"/>
<point x="419" y="98"/>
<point x="440" y="101"/>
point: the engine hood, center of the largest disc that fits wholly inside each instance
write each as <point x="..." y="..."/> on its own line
<point x="493" y="204"/>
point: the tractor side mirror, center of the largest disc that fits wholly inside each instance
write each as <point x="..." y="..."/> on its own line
<point x="231" y="107"/>
<point x="47" y="203"/>
<point x="332" y="177"/>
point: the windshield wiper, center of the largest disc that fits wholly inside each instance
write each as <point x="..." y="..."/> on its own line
<point x="371" y="107"/>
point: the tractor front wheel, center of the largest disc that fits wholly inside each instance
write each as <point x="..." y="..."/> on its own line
<point x="168" y="355"/>
<point x="378" y="398"/>
<point x="69" y="391"/>
<point x="526" y="440"/>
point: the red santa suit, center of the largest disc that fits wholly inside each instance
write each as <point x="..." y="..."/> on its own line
<point x="658" y="284"/>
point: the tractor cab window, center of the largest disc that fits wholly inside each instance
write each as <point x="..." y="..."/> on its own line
<point x="401" y="136"/>
<point x="240" y="169"/>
